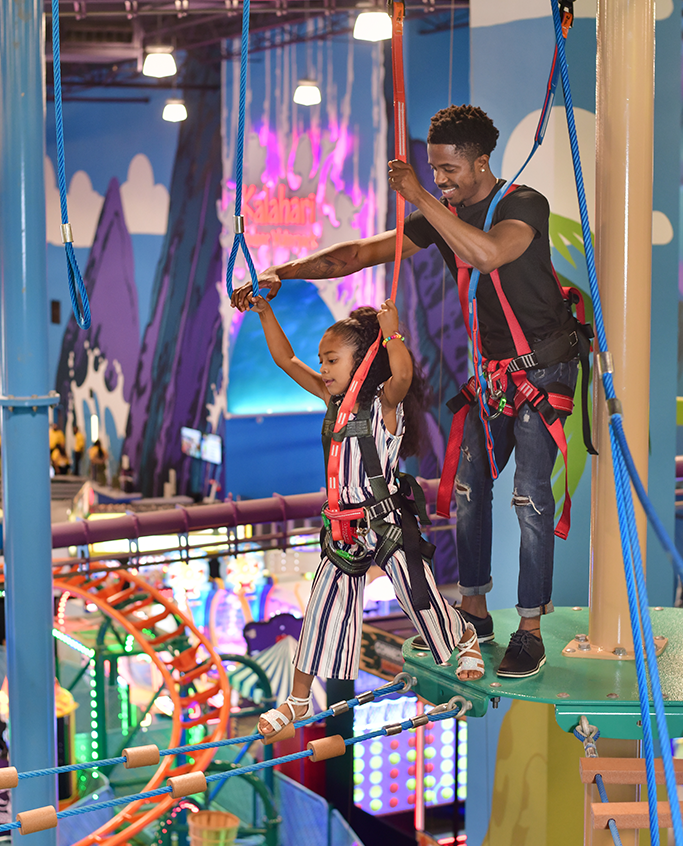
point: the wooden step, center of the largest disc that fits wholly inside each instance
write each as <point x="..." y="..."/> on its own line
<point x="625" y="770"/>
<point x="628" y="815"/>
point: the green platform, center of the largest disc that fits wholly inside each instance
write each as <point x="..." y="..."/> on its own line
<point x="605" y="691"/>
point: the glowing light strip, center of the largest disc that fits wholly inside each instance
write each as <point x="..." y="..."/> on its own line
<point x="61" y="609"/>
<point x="73" y="643"/>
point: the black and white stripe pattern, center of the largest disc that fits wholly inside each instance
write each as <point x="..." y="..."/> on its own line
<point x="353" y="480"/>
<point x="329" y="645"/>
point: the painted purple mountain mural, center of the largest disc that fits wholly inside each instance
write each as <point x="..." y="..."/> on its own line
<point x="181" y="350"/>
<point x="97" y="367"/>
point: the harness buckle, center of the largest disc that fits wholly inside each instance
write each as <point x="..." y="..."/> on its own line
<point x="495" y="395"/>
<point x="498" y="411"/>
<point x="362" y="530"/>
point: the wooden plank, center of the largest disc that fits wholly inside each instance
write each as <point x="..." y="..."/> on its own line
<point x="625" y="770"/>
<point x="628" y="815"/>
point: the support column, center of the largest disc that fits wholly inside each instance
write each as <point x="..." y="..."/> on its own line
<point x="623" y="236"/>
<point x="24" y="373"/>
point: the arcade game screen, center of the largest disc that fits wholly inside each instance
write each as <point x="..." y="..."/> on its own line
<point x="384" y="770"/>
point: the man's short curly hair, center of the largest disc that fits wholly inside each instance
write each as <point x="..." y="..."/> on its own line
<point x="466" y="127"/>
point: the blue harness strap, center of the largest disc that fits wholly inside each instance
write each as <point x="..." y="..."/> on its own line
<point x="240" y="240"/>
<point x="76" y="286"/>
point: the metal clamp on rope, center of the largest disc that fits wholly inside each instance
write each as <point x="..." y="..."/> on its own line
<point x="238" y="221"/>
<point x="393" y="728"/>
<point x="67" y="233"/>
<point x="364" y="698"/>
<point x="401" y="678"/>
<point x="439" y="709"/>
<point x="419" y="720"/>
<point x="605" y="363"/>
<point x="455" y="701"/>
<point x="339" y="708"/>
<point x="614" y="406"/>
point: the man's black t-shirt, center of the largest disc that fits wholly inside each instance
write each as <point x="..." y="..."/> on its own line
<point x="528" y="282"/>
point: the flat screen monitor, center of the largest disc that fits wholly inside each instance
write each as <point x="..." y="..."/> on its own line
<point x="190" y="442"/>
<point x="212" y="449"/>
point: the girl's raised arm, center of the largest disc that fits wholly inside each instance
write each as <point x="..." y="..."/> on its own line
<point x="283" y="354"/>
<point x="400" y="362"/>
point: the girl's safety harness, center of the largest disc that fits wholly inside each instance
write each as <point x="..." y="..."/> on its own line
<point x="354" y="522"/>
<point x="349" y="525"/>
<point x="552" y="406"/>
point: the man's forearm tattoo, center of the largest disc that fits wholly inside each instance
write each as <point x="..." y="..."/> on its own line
<point x="323" y="267"/>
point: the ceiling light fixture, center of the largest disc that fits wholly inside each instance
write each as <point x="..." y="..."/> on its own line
<point x="307" y="93"/>
<point x="174" y="111"/>
<point x="159" y="62"/>
<point x="372" y="25"/>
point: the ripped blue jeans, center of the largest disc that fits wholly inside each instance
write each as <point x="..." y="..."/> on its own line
<point x="535" y="453"/>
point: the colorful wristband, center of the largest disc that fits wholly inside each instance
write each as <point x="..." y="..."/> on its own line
<point x="395" y="337"/>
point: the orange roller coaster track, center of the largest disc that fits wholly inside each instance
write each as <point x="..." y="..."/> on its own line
<point x="142" y="610"/>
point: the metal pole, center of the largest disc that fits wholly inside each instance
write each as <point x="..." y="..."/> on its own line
<point x="623" y="230"/>
<point x="25" y="408"/>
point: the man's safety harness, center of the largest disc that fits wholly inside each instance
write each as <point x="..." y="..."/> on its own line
<point x="552" y="406"/>
<point x="354" y="522"/>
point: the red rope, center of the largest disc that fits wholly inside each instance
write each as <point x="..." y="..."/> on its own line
<point x="400" y="152"/>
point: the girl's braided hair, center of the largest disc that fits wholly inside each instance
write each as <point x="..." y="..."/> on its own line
<point x="359" y="330"/>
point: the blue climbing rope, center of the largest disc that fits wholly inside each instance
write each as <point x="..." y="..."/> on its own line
<point x="614" y="831"/>
<point x="76" y="285"/>
<point x="240" y="240"/>
<point x="625" y="473"/>
<point x="455" y="706"/>
<point x="349" y="704"/>
<point x="627" y="529"/>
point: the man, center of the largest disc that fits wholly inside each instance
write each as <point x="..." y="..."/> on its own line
<point x="459" y="144"/>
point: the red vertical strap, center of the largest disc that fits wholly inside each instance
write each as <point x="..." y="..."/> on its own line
<point x="351" y="396"/>
<point x="463" y="289"/>
<point x="452" y="456"/>
<point x="518" y="337"/>
<point x="335" y="447"/>
<point x="450" y="463"/>
<point x="400" y="127"/>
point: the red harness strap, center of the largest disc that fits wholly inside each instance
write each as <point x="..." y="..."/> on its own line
<point x="400" y="125"/>
<point x="465" y="399"/>
<point x="525" y="392"/>
<point x="339" y="526"/>
<point x="341" y="529"/>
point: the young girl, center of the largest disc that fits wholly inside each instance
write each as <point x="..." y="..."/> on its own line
<point x="391" y="398"/>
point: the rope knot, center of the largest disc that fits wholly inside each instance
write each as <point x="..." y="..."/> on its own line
<point x="588" y="735"/>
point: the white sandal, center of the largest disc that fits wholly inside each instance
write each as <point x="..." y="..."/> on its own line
<point x="277" y="720"/>
<point x="469" y="656"/>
